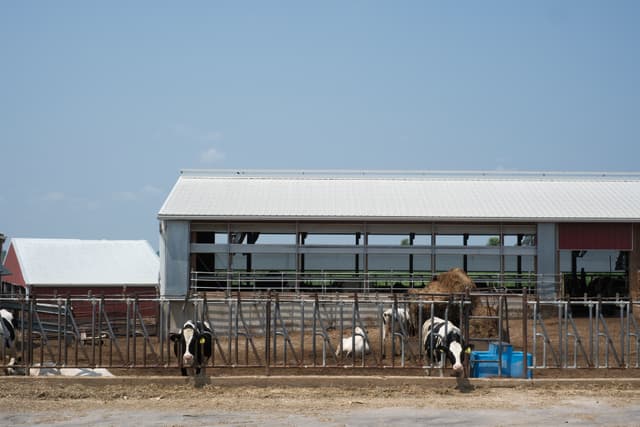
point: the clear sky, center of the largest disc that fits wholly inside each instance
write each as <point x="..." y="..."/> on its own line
<point x="103" y="103"/>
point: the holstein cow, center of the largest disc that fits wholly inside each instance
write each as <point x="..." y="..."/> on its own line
<point x="7" y="330"/>
<point x="443" y="337"/>
<point x="8" y="333"/>
<point x="401" y="323"/>
<point x="193" y="346"/>
<point x="360" y="343"/>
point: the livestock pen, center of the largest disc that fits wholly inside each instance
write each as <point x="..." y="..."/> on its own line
<point x="298" y="332"/>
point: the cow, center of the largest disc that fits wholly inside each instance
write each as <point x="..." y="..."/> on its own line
<point x="442" y="337"/>
<point x="7" y="330"/>
<point x="361" y="344"/>
<point x="8" y="339"/>
<point x="193" y="346"/>
<point x="401" y="323"/>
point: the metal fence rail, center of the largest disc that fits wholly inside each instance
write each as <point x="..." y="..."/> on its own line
<point x="332" y="281"/>
<point x="277" y="330"/>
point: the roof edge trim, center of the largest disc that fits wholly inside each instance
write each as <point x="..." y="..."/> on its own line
<point x="415" y="174"/>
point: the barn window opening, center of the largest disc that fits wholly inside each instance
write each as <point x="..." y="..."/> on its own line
<point x="332" y="239"/>
<point x="595" y="272"/>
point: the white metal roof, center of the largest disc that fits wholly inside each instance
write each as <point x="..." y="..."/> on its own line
<point x="466" y="196"/>
<point x="86" y="262"/>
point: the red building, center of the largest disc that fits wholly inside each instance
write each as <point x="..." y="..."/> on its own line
<point x="47" y="268"/>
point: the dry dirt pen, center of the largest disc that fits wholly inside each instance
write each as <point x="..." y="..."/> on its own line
<point x="316" y="400"/>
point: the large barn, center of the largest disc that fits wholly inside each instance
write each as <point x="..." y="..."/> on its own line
<point x="72" y="267"/>
<point x="563" y="233"/>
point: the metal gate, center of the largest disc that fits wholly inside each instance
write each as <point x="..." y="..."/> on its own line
<point x="266" y="331"/>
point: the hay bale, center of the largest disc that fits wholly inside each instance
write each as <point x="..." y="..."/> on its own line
<point x="454" y="281"/>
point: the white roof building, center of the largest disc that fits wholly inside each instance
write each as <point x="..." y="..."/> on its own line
<point x="82" y="263"/>
<point x="423" y="196"/>
<point x="219" y="222"/>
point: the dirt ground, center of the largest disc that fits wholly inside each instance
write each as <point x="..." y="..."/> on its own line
<point x="319" y="400"/>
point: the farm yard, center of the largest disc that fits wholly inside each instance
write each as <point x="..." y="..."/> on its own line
<point x="454" y="238"/>
<point x="276" y="361"/>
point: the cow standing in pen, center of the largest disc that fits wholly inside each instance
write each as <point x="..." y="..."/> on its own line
<point x="8" y="331"/>
<point x="8" y="341"/>
<point x="193" y="346"/>
<point x="442" y="337"/>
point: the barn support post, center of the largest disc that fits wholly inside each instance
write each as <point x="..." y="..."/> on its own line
<point x="61" y="333"/>
<point x="634" y="266"/>
<point x="547" y="260"/>
<point x="174" y="269"/>
<point x="92" y="301"/>
<point x="29" y="359"/>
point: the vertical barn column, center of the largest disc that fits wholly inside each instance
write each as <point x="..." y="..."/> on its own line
<point x="547" y="260"/>
<point x="174" y="270"/>
<point x="634" y="265"/>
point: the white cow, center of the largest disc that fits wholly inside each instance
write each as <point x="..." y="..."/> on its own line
<point x="401" y="323"/>
<point x="360" y="343"/>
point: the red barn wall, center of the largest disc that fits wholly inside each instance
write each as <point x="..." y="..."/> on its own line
<point x="12" y="264"/>
<point x="83" y="308"/>
<point x="584" y="236"/>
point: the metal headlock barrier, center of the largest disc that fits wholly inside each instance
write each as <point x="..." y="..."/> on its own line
<point x="278" y="330"/>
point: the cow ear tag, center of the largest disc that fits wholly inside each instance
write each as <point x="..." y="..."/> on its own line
<point x="202" y="340"/>
<point x="468" y="350"/>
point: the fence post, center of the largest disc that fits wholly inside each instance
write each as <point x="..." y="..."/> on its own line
<point x="464" y="322"/>
<point x="29" y="361"/>
<point x="525" y="338"/>
<point x="267" y="334"/>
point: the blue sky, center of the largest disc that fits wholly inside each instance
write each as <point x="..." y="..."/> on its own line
<point x="103" y="103"/>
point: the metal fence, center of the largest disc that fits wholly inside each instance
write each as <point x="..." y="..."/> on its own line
<point x="361" y="282"/>
<point x="279" y="330"/>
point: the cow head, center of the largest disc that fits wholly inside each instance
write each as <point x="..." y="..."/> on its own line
<point x="455" y="351"/>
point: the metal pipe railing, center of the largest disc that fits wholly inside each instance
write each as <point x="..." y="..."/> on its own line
<point x="279" y="330"/>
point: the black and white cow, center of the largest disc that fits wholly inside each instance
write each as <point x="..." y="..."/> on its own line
<point x="7" y="330"/>
<point x="443" y="337"/>
<point x="8" y="340"/>
<point x="193" y="346"/>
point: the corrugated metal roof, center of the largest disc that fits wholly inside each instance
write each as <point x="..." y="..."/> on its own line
<point x="469" y="196"/>
<point x="86" y="262"/>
